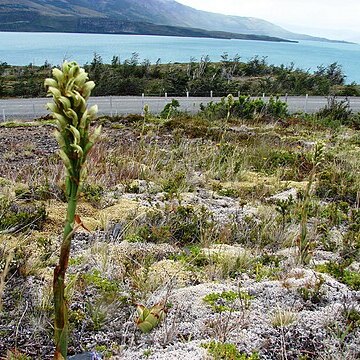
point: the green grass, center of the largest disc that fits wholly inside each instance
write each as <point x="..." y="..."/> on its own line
<point x="340" y="273"/>
<point x="187" y="162"/>
<point x="226" y="351"/>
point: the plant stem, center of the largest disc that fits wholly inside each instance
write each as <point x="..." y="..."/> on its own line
<point x="61" y="309"/>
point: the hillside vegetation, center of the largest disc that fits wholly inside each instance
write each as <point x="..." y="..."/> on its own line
<point x="198" y="77"/>
<point x="239" y="226"/>
<point x="166" y="17"/>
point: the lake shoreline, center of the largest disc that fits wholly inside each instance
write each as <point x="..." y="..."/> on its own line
<point x="36" y="48"/>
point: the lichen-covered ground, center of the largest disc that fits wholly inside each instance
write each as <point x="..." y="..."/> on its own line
<point x="246" y="232"/>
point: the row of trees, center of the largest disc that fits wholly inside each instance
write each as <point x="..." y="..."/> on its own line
<point x="198" y="77"/>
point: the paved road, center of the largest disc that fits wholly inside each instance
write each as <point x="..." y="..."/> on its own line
<point x="111" y="105"/>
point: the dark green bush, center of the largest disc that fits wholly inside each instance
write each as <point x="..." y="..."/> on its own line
<point x="336" y="110"/>
<point x="245" y="108"/>
<point x="170" y="109"/>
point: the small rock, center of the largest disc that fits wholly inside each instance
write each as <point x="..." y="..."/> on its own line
<point x="283" y="196"/>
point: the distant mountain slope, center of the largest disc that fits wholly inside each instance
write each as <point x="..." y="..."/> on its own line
<point x="115" y="15"/>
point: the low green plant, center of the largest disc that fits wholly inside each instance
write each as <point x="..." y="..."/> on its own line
<point x="233" y="193"/>
<point x="262" y="272"/>
<point x="271" y="260"/>
<point x="341" y="332"/>
<point x="44" y="191"/>
<point x="104" y="350"/>
<point x="147" y="353"/>
<point x="355" y="121"/>
<point x="193" y="256"/>
<point x="292" y="165"/>
<point x="148" y="318"/>
<point x="192" y="126"/>
<point x="77" y="317"/>
<point x="352" y="317"/>
<point x="227" y="351"/>
<point x="260" y="231"/>
<point x="336" y="213"/>
<point x="277" y="108"/>
<point x="95" y="278"/>
<point x="232" y="266"/>
<point x="175" y="184"/>
<point x="170" y="109"/>
<point x="266" y="266"/>
<point x="282" y="318"/>
<point x="183" y="225"/>
<point x="312" y="292"/>
<point x="225" y="301"/>
<point x="97" y="312"/>
<point x="16" y="216"/>
<point x="284" y="208"/>
<point x="340" y="273"/>
<point x="92" y="193"/>
<point x="338" y="181"/>
<point x="306" y="245"/>
<point x="141" y="280"/>
<point x="351" y="239"/>
<point x="17" y="355"/>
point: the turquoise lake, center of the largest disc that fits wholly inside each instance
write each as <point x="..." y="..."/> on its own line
<point x="36" y="48"/>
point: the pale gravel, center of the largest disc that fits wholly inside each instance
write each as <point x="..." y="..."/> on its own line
<point x="189" y="319"/>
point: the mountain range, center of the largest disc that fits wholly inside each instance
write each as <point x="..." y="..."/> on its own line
<point x="149" y="17"/>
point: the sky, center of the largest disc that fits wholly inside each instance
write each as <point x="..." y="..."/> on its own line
<point x="330" y="18"/>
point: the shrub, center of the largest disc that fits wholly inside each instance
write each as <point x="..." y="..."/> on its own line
<point x="170" y="109"/>
<point x="336" y="110"/>
<point x="245" y="108"/>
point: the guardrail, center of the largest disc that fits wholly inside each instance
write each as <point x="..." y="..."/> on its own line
<point x="20" y="108"/>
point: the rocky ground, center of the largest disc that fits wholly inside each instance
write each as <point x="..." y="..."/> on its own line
<point x="207" y="228"/>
